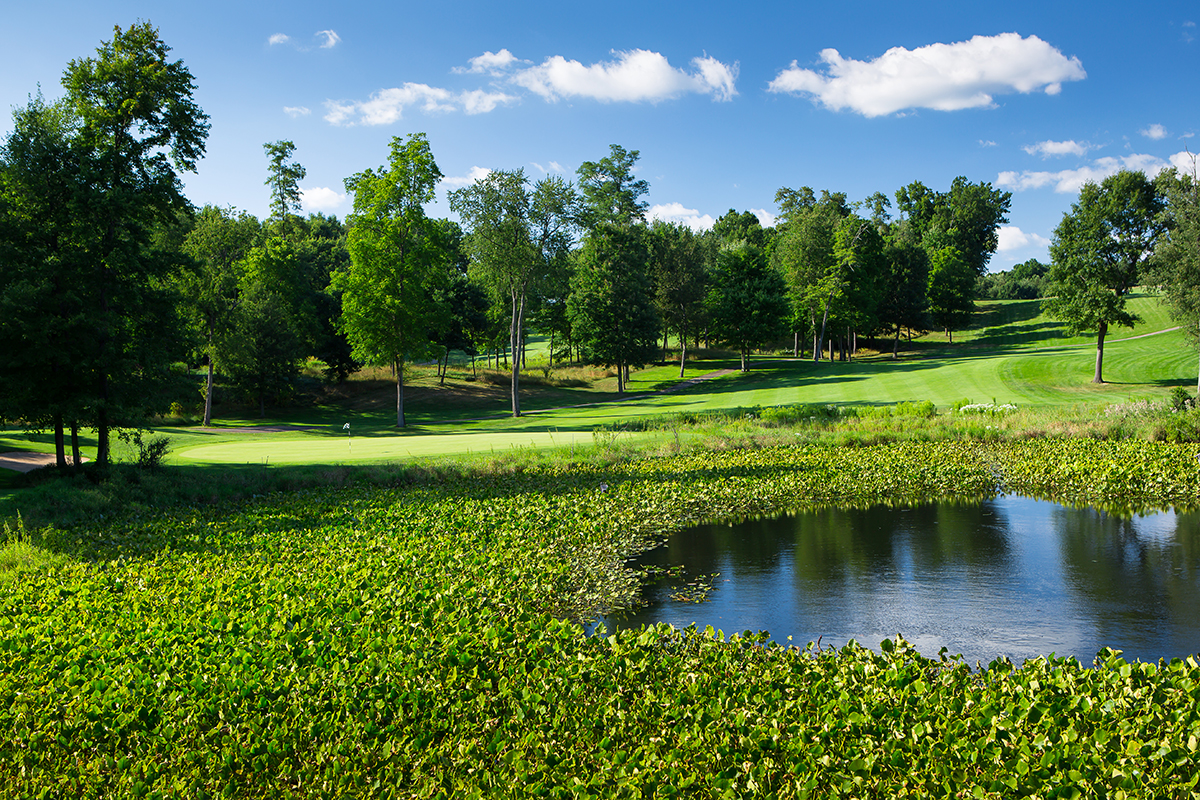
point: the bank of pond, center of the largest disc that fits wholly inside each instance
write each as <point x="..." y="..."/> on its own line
<point x="429" y="639"/>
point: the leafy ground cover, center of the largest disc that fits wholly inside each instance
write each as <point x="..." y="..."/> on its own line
<point x="420" y="640"/>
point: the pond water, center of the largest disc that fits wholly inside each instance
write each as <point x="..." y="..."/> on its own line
<point x="1010" y="576"/>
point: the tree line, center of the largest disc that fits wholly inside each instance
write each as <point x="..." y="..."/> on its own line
<point x="109" y="277"/>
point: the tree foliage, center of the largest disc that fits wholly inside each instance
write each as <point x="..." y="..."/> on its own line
<point x="1099" y="252"/>
<point x="397" y="257"/>
<point x="746" y="301"/>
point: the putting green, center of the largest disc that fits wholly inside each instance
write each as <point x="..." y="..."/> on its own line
<point x="324" y="449"/>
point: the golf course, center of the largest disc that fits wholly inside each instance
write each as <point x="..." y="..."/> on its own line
<point x="317" y="604"/>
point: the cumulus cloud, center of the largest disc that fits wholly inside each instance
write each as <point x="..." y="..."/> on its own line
<point x="765" y="218"/>
<point x="943" y="77"/>
<point x="1155" y="131"/>
<point x="1013" y="238"/>
<point x="675" y="212"/>
<point x="278" y="38"/>
<point x="387" y="105"/>
<point x="1069" y="181"/>
<point x="321" y="198"/>
<point x="327" y="39"/>
<point x="493" y="63"/>
<point x="480" y="102"/>
<point x="475" y="174"/>
<point x="632" y="76"/>
<point x="1048" y="148"/>
<point x="296" y="111"/>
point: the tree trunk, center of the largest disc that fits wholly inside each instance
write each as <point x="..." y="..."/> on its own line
<point x="620" y="378"/>
<point x="517" y="341"/>
<point x="795" y="344"/>
<point x="60" y="447"/>
<point x="208" y="395"/>
<point x="743" y="359"/>
<point x="76" y="459"/>
<point x="896" y="343"/>
<point x="682" y="352"/>
<point x="1101" y="331"/>
<point x="398" y="365"/>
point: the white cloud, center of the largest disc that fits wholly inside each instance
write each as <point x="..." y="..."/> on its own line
<point x="1069" y="181"/>
<point x="278" y="38"/>
<point x="675" y="212"/>
<point x="387" y="105"/>
<point x="1155" y="131"/>
<point x="554" y="167"/>
<point x="986" y="143"/>
<point x="633" y="76"/>
<point x="490" y="62"/>
<point x="321" y="198"/>
<point x="330" y="38"/>
<point x="1185" y="162"/>
<point x="1013" y="238"/>
<point x="1048" y="148"/>
<point x="296" y="111"/>
<point x="944" y="77"/>
<point x="765" y="218"/>
<point x="480" y="102"/>
<point x="476" y="174"/>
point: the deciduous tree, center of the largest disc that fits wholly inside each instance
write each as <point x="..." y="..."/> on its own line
<point x="1099" y="252"/>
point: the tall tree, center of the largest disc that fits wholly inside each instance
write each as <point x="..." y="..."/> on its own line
<point x="747" y="300"/>
<point x="218" y="241"/>
<point x="1099" y="252"/>
<point x="44" y="328"/>
<point x="677" y="267"/>
<point x="1178" y="252"/>
<point x="610" y="191"/>
<point x="397" y="257"/>
<point x="950" y="289"/>
<point x="610" y="309"/>
<point x="283" y="177"/>
<point x="138" y="126"/>
<point x="904" y="299"/>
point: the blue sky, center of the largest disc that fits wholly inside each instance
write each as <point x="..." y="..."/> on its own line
<point x="725" y="102"/>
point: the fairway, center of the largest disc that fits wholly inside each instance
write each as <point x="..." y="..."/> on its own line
<point x="329" y="450"/>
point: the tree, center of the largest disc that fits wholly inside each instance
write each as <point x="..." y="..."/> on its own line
<point x="138" y="125"/>
<point x="733" y="227"/>
<point x="677" y="266"/>
<point x="283" y="176"/>
<point x="396" y="259"/>
<point x="904" y="298"/>
<point x="1177" y="253"/>
<point x="747" y="300"/>
<point x="951" y="289"/>
<point x="498" y="211"/>
<point x="44" y="329"/>
<point x="610" y="192"/>
<point x="1099" y="252"/>
<point x="804" y="255"/>
<point x="219" y="240"/>
<point x="609" y="307"/>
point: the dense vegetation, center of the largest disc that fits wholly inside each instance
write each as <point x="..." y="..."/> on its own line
<point x="419" y="640"/>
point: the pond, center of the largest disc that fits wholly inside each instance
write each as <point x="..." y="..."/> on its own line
<point x="1010" y="576"/>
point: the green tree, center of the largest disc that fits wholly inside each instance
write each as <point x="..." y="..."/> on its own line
<point x="219" y="240"/>
<point x="1099" y="252"/>
<point x="950" y="290"/>
<point x="138" y="125"/>
<point x="609" y="307"/>
<point x="1177" y="253"/>
<point x="497" y="212"/>
<point x="732" y="227"/>
<point x="904" y="299"/>
<point x="610" y="192"/>
<point x="283" y="176"/>
<point x="747" y="300"/>
<point x="804" y="254"/>
<point x="397" y="258"/>
<point x="44" y="327"/>
<point x="677" y="267"/>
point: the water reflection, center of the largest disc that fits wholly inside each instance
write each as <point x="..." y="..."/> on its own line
<point x="1010" y="576"/>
